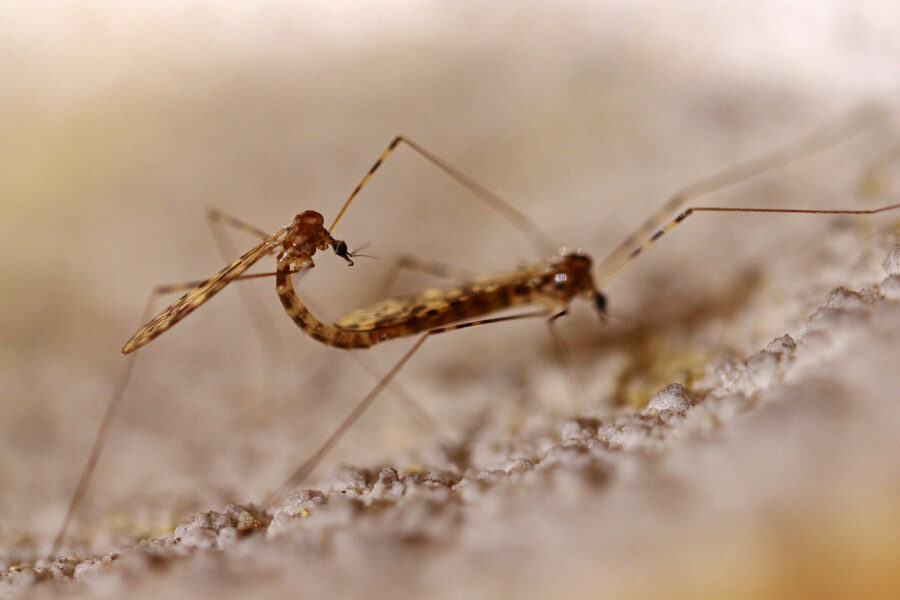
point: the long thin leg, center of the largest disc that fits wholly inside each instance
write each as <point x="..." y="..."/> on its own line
<point x="171" y="288"/>
<point x="410" y="406"/>
<point x="543" y="244"/>
<point x="695" y="209"/>
<point x="216" y="215"/>
<point x="273" y="347"/>
<point x="840" y="131"/>
<point x="270" y="338"/>
<point x="436" y="269"/>
<point x="313" y="461"/>
<point x="565" y="359"/>
<point x="112" y="407"/>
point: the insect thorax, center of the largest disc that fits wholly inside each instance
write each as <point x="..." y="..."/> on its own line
<point x="568" y="277"/>
<point x="305" y="235"/>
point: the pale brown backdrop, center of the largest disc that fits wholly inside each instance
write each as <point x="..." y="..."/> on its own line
<point x="120" y="123"/>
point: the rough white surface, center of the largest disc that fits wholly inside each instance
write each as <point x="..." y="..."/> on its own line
<point x="892" y="260"/>
<point x="673" y="398"/>
<point x="780" y="429"/>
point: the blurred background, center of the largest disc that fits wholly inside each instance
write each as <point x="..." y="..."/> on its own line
<point x="121" y="123"/>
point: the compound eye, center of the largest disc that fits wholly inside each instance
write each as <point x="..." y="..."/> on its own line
<point x="340" y="248"/>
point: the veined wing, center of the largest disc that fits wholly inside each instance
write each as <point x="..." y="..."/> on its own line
<point x="200" y="294"/>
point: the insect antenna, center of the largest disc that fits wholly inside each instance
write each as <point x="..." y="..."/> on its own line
<point x="357" y="252"/>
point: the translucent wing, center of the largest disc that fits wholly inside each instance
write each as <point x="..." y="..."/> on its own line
<point x="200" y="294"/>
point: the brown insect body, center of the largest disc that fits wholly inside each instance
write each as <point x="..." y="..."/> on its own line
<point x="552" y="285"/>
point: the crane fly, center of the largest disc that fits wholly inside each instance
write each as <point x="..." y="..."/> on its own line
<point x="548" y="287"/>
